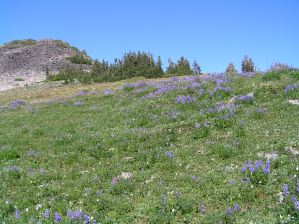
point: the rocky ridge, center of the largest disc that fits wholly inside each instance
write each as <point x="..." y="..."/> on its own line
<point x="22" y="63"/>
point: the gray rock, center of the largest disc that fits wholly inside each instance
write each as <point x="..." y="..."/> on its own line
<point x="292" y="150"/>
<point x="294" y="102"/>
<point x="29" y="62"/>
<point x="268" y="156"/>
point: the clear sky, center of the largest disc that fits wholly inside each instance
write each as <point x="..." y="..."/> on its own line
<point x="212" y="32"/>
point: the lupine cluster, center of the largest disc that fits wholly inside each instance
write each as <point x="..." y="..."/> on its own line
<point x="16" y="104"/>
<point x="257" y="164"/>
<point x="184" y="99"/>
<point x="194" y="85"/>
<point x="247" y="74"/>
<point x="295" y="202"/>
<point x="108" y="92"/>
<point x="78" y="103"/>
<point x="219" y="87"/>
<point x="161" y="89"/>
<point x="78" y="216"/>
<point x="291" y="88"/>
<point x="171" y="114"/>
<point x="245" y="99"/>
<point x="82" y="93"/>
<point x="230" y="211"/>
<point x="286" y="192"/>
<point x="221" y="106"/>
<point x="73" y="216"/>
<point x="206" y="124"/>
<point x="169" y="154"/>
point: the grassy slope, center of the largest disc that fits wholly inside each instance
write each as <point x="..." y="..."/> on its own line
<point x="67" y="155"/>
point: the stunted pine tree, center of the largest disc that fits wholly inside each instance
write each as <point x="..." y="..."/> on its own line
<point x="230" y="70"/>
<point x="159" y="66"/>
<point x="183" y="67"/>
<point x="196" y="70"/>
<point x="172" y="68"/>
<point x="247" y="65"/>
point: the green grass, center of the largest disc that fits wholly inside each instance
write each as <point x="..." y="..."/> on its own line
<point x="61" y="156"/>
<point x="19" y="43"/>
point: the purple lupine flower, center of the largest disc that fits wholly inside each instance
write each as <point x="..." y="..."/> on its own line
<point x="201" y="92"/>
<point x="47" y="213"/>
<point x="169" y="154"/>
<point x="194" y="85"/>
<point x="267" y="167"/>
<point x="231" y="181"/>
<point x="82" y="93"/>
<point x="16" y="104"/>
<point x="285" y="190"/>
<point x="202" y="209"/>
<point x="18" y="214"/>
<point x="184" y="99"/>
<point x="257" y="164"/>
<point x="291" y="88"/>
<point x="246" y="180"/>
<point x="229" y="210"/>
<point x="295" y="202"/>
<point x="77" y="214"/>
<point x="57" y="217"/>
<point x="69" y="213"/>
<point x="174" y="115"/>
<point x="86" y="219"/>
<point x="236" y="208"/>
<point x="197" y="125"/>
<point x="297" y="188"/>
<point x="108" y="92"/>
<point x="78" y="103"/>
<point x="246" y="164"/>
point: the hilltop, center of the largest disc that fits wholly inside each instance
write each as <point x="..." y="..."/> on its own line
<point x="23" y="62"/>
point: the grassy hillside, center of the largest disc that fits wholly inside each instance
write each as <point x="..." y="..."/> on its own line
<point x="178" y="150"/>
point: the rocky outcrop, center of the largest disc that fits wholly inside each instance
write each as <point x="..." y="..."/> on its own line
<point x="24" y="64"/>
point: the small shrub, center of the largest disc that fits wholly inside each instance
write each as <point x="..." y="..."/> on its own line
<point x="19" y="79"/>
<point x="19" y="43"/>
<point x="80" y="58"/>
<point x="272" y="76"/>
<point x="247" y="65"/>
<point x="231" y="70"/>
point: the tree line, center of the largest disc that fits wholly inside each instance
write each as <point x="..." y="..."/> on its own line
<point x="134" y="64"/>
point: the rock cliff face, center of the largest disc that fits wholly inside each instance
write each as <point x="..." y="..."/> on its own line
<point x="23" y="63"/>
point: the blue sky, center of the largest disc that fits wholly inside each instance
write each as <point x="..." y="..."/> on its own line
<point x="212" y="32"/>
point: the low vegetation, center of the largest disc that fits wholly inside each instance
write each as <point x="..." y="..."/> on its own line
<point x="177" y="150"/>
<point x="19" y="43"/>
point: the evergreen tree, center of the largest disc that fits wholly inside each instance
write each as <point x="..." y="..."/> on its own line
<point x="183" y="67"/>
<point x="172" y="68"/>
<point x="196" y="70"/>
<point x="247" y="65"/>
<point x="231" y="69"/>
<point x="159" y="66"/>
